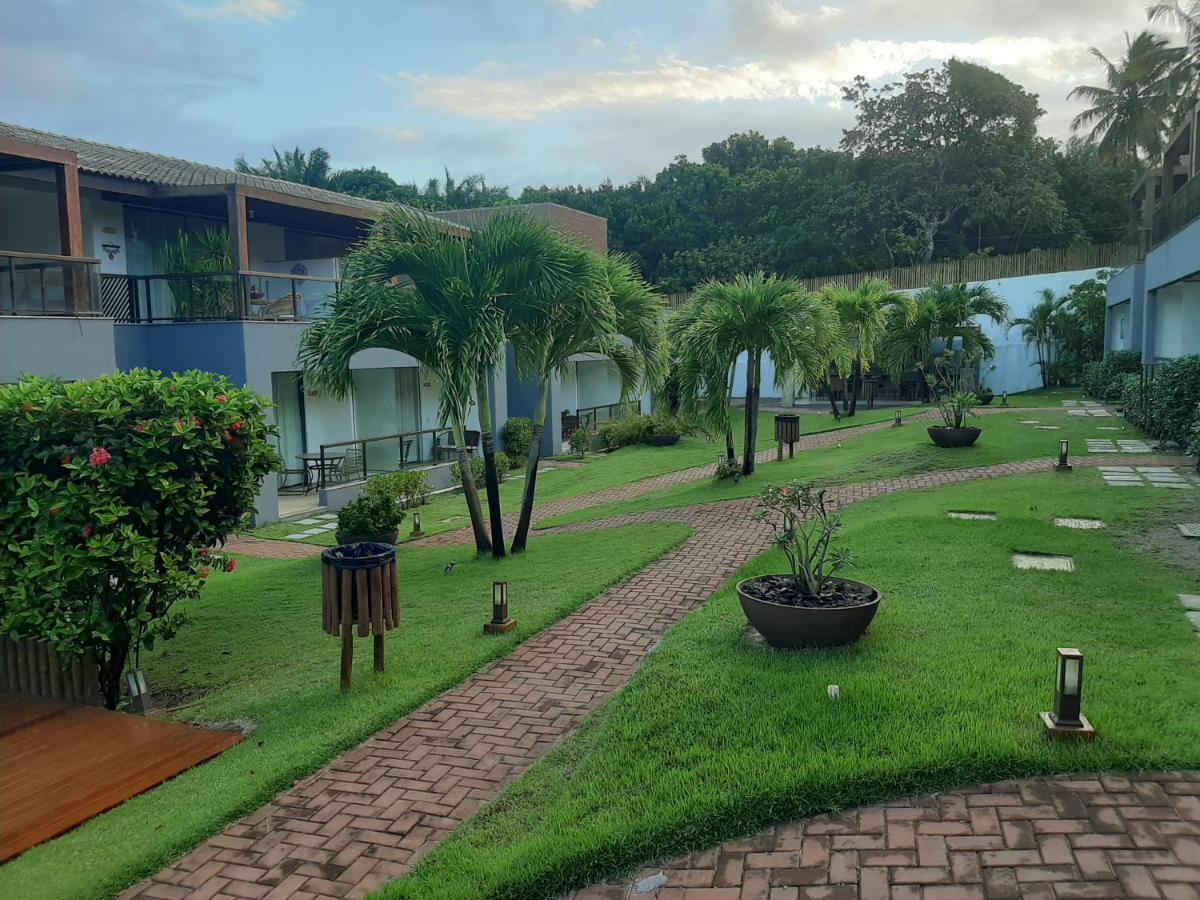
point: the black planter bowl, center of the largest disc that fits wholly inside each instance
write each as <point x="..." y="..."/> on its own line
<point x="790" y="627"/>
<point x="661" y="440"/>
<point x="987" y="398"/>
<point x="953" y="437"/>
<point x="388" y="537"/>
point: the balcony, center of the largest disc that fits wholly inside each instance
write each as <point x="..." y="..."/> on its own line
<point x="216" y="296"/>
<point x="44" y="285"/>
<point x="1176" y="212"/>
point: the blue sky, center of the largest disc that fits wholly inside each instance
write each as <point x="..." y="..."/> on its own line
<point x="522" y="91"/>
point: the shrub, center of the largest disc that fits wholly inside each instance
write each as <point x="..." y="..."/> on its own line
<point x="1103" y="379"/>
<point x="112" y="493"/>
<point x="805" y="529"/>
<point x="642" y="430"/>
<point x="503" y="467"/>
<point x="517" y="435"/>
<point x="581" y="441"/>
<point x="1173" y="396"/>
<point x="1131" y="399"/>
<point x="370" y="514"/>
<point x="406" y="488"/>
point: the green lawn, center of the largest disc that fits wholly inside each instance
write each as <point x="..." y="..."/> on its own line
<point x="599" y="471"/>
<point x="715" y="738"/>
<point x="884" y="454"/>
<point x="255" y="651"/>
<point x="1043" y="397"/>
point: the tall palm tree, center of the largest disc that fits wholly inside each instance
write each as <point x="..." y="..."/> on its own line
<point x="310" y="168"/>
<point x="864" y="313"/>
<point x="1039" y="327"/>
<point x="1186" y="19"/>
<point x="945" y="312"/>
<point x="761" y="314"/>
<point x="1130" y="114"/>
<point x="601" y="305"/>
<point x="705" y="382"/>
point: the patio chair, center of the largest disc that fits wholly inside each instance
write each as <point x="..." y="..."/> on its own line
<point x="354" y="465"/>
<point x="570" y="425"/>
<point x="472" y="438"/>
<point x="283" y="308"/>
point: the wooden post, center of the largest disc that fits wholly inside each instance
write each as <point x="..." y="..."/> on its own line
<point x="70" y="235"/>
<point x="239" y="244"/>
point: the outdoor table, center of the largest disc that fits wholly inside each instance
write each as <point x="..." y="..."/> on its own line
<point x="322" y="466"/>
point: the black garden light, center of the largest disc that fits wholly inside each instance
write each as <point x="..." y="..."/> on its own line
<point x="500" y="621"/>
<point x="1066" y="721"/>
<point x="898" y="421"/>
<point x="416" y="531"/>
<point x="1062" y="465"/>
<point x="1004" y="399"/>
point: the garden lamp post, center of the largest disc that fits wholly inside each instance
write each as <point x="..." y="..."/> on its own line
<point x="1066" y="721"/>
<point x="1004" y="399"/>
<point x="1062" y="465"/>
<point x="416" y="529"/>
<point x="898" y="421"/>
<point x="500" y="621"/>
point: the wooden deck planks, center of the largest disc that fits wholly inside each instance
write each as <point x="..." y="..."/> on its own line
<point x="60" y="765"/>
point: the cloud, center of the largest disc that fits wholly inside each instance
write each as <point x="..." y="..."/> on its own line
<point x="578" y="6"/>
<point x="262" y="11"/>
<point x="815" y="78"/>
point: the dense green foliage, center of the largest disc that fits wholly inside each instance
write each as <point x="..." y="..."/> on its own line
<point x="1174" y="400"/>
<point x="1104" y="378"/>
<point x="369" y="515"/>
<point x="503" y="466"/>
<point x="653" y="429"/>
<point x="517" y="435"/>
<point x="407" y="488"/>
<point x="112" y="492"/>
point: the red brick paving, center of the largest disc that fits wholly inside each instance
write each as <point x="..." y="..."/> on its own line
<point x="369" y="815"/>
<point x="1065" y="838"/>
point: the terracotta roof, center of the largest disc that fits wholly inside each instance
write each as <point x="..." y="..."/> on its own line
<point x="154" y="168"/>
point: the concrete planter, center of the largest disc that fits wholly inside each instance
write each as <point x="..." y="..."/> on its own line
<point x="953" y="437"/>
<point x="789" y="627"/>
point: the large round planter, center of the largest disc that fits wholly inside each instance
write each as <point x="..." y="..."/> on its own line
<point x="953" y="437"/>
<point x="388" y="537"/>
<point x="661" y="440"/>
<point x="986" y="398"/>
<point x="789" y="627"/>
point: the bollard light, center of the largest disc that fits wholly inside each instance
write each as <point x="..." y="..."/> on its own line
<point x="898" y="420"/>
<point x="500" y="621"/>
<point x="1063" y="465"/>
<point x="1067" y="720"/>
<point x="416" y="530"/>
<point x="1004" y="399"/>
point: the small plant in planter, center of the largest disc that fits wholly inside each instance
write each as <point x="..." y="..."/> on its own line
<point x="581" y="441"/>
<point x="954" y="387"/>
<point x="373" y="517"/>
<point x="811" y="606"/>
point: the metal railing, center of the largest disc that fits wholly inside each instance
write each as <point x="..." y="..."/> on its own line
<point x="1176" y="212"/>
<point x="360" y="458"/>
<point x="592" y="417"/>
<point x="34" y="284"/>
<point x="214" y="296"/>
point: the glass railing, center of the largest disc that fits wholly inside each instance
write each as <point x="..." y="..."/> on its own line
<point x="355" y="460"/>
<point x="207" y="296"/>
<point x="42" y="285"/>
<point x="591" y="418"/>
<point x="1176" y="212"/>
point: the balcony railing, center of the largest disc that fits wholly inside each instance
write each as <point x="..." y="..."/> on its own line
<point x="217" y="296"/>
<point x="42" y="285"/>
<point x="355" y="460"/>
<point x="592" y="417"/>
<point x="1178" y="211"/>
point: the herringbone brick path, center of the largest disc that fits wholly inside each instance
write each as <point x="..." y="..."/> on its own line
<point x="370" y="814"/>
<point x="1045" y="838"/>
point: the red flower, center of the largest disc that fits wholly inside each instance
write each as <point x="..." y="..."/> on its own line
<point x="100" y="457"/>
<point x="229" y="438"/>
<point x="237" y="426"/>
<point x="27" y="407"/>
<point x="55" y="510"/>
<point x="66" y="460"/>
<point x="205" y="552"/>
<point x="87" y="531"/>
<point x="139" y="428"/>
<point x="196" y="421"/>
<point x="204" y="572"/>
<point x="231" y="566"/>
<point x="221" y="398"/>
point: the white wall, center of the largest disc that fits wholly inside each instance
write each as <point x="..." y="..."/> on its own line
<point x="104" y="223"/>
<point x="1119" y="327"/>
<point x="1177" y="320"/>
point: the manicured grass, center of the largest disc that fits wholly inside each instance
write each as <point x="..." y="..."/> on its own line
<point x="715" y="737"/>
<point x="1043" y="397"/>
<point x="256" y="652"/>
<point x="884" y="454"/>
<point x="598" y="471"/>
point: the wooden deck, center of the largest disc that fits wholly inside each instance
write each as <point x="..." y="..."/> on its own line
<point x="61" y="764"/>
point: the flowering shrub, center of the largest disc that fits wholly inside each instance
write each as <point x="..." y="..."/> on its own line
<point x="112" y="492"/>
<point x="805" y="530"/>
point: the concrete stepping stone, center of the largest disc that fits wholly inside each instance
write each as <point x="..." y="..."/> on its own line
<point x="1083" y="524"/>
<point x="297" y="537"/>
<point x="1101" y="413"/>
<point x="972" y="516"/>
<point x="1190" y="601"/>
<point x="308" y="522"/>
<point x="1088" y="403"/>
<point x="1134" y="446"/>
<point x="1194" y="618"/>
<point x="1115" y="469"/>
<point x="1045" y="428"/>
<point x="1109" y="428"/>
<point x="1190" y="531"/>
<point x="313" y="532"/>
<point x="1043" y="562"/>
<point x="327" y="516"/>
<point x="1069" y="402"/>
<point x="1030" y="421"/>
<point x="1125" y="482"/>
<point x="1164" y="469"/>
<point x="1177" y="485"/>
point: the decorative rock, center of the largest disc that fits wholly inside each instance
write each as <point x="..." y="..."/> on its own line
<point x="1085" y="524"/>
<point x="1044" y="562"/>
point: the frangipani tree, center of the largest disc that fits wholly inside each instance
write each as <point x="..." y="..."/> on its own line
<point x="755" y="314"/>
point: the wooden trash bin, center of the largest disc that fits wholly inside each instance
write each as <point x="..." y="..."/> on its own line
<point x="787" y="431"/>
<point x="359" y="589"/>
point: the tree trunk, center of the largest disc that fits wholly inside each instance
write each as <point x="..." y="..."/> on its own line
<point x="730" y="449"/>
<point x="482" y="544"/>
<point x="491" y="477"/>
<point x="855" y="383"/>
<point x="753" y="363"/>
<point x="109" y="666"/>
<point x="531" y="467"/>
<point x="837" y="413"/>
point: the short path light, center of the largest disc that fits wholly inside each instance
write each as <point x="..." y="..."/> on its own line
<point x="1004" y="399"/>
<point x="898" y="421"/>
<point x="417" y="532"/>
<point x="1066" y="721"/>
<point x="500" y="621"/>
<point x="1062" y="465"/>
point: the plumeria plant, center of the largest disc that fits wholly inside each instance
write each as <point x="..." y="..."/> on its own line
<point x="955" y="388"/>
<point x="805" y="529"/>
<point x="114" y="494"/>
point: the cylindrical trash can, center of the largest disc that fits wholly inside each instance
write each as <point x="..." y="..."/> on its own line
<point x="787" y="431"/>
<point x="359" y="587"/>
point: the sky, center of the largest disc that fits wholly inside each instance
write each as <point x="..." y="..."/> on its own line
<point x="522" y="91"/>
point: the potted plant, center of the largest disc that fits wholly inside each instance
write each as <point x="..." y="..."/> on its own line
<point x="954" y="392"/>
<point x="811" y="606"/>
<point x="374" y="518"/>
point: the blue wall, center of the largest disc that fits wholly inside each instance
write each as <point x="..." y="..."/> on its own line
<point x="179" y="346"/>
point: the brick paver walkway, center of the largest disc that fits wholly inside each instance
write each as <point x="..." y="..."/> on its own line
<point x="370" y="814"/>
<point x="1044" y="838"/>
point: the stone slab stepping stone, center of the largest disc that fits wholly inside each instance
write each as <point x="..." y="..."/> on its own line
<point x="330" y="527"/>
<point x="1190" y="531"/>
<point x="1102" y="413"/>
<point x="1085" y="524"/>
<point x="1164" y="469"/>
<point x="1030" y="421"/>
<point x="327" y="516"/>
<point x="313" y="532"/>
<point x="1134" y="446"/>
<point x="1109" y="428"/>
<point x="1070" y="402"/>
<point x="308" y="522"/>
<point x="1190" y="601"/>
<point x="972" y="516"/>
<point x="297" y="537"/>
<point x="1045" y="428"/>
<point x="1178" y="485"/>
<point x="1088" y="403"/>
<point x="1194" y="618"/>
<point x="1043" y="562"/>
<point x="1125" y="482"/>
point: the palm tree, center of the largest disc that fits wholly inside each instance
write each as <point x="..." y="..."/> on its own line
<point x="864" y="313"/>
<point x="945" y="312"/>
<point x="601" y="305"/>
<point x="1187" y="20"/>
<point x="705" y="382"/>
<point x="757" y="314"/>
<point x="310" y="168"/>
<point x="1040" y="327"/>
<point x="1131" y="113"/>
